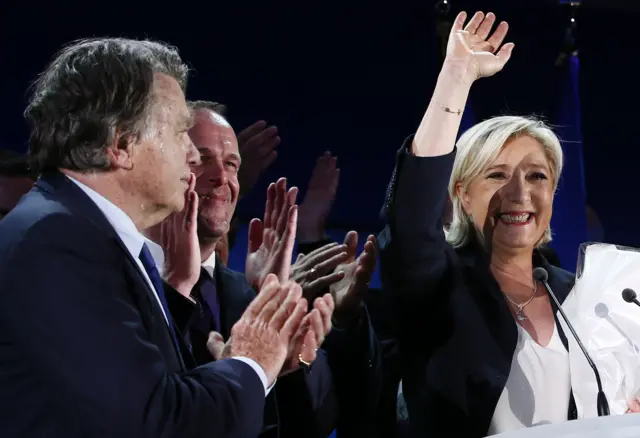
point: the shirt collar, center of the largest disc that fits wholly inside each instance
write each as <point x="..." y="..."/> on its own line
<point x="121" y="223"/>
<point x="157" y="253"/>
<point x="209" y="265"/>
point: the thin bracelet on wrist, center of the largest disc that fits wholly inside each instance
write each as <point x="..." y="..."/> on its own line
<point x="446" y="109"/>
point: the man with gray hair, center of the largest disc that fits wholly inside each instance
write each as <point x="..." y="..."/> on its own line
<point x="88" y="346"/>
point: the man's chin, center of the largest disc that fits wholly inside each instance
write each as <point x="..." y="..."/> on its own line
<point x="208" y="230"/>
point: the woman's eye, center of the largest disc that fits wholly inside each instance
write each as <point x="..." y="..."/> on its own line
<point x="538" y="175"/>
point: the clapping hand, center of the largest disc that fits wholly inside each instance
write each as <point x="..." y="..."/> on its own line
<point x="316" y="271"/>
<point x="179" y="240"/>
<point x="315" y="326"/>
<point x="266" y="329"/>
<point x="257" y="145"/>
<point x="318" y="199"/>
<point x="350" y="290"/>
<point x="475" y="49"/>
<point x="271" y="243"/>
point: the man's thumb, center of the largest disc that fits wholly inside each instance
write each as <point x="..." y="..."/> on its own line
<point x="215" y="345"/>
<point x="255" y="235"/>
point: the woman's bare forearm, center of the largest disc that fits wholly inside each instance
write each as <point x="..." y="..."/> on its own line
<point x="438" y="130"/>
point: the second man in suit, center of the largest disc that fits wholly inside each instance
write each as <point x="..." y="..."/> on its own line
<point x="343" y="383"/>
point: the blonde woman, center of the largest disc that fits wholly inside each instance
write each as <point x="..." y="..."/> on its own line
<point x="482" y="350"/>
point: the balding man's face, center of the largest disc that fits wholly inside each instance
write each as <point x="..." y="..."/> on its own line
<point x="217" y="175"/>
<point x="11" y="190"/>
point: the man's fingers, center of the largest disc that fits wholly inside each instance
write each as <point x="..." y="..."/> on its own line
<point x="325" y="306"/>
<point x="215" y="345"/>
<point x="322" y="249"/>
<point x="374" y="244"/>
<point x="328" y="298"/>
<point x="263" y="141"/>
<point x="316" y="324"/>
<point x="319" y="170"/>
<point x="269" y="205"/>
<point x="192" y="216"/>
<point x="332" y="263"/>
<point x="291" y="325"/>
<point x="310" y="346"/>
<point x="289" y="239"/>
<point x="281" y="194"/>
<point x="269" y="289"/>
<point x="323" y="282"/>
<point x="292" y="195"/>
<point x="280" y="316"/>
<point x="271" y="307"/>
<point x="324" y="253"/>
<point x="289" y="201"/>
<point x="256" y="235"/>
<point x="367" y="258"/>
<point x="250" y="132"/>
<point x="351" y="241"/>
<point x="279" y="203"/>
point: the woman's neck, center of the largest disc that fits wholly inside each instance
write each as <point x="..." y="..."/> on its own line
<point x="513" y="271"/>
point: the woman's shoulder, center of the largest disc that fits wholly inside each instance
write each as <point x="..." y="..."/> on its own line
<point x="561" y="281"/>
<point x="562" y="274"/>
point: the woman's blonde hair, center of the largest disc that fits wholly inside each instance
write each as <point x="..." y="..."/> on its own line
<point x="478" y="147"/>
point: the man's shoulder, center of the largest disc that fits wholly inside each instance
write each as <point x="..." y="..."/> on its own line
<point x="233" y="279"/>
<point x="40" y="223"/>
<point x="34" y="213"/>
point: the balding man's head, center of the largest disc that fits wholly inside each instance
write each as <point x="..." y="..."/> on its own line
<point x="217" y="175"/>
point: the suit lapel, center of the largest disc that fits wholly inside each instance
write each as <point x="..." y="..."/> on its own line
<point x="490" y="299"/>
<point x="77" y="201"/>
<point x="233" y="300"/>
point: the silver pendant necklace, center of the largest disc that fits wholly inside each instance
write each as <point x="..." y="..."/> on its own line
<point x="520" y="316"/>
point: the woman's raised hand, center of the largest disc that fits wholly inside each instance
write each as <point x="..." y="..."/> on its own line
<point x="473" y="48"/>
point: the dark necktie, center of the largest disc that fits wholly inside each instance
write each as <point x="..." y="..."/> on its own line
<point x="152" y="271"/>
<point x="208" y="320"/>
<point x="209" y="294"/>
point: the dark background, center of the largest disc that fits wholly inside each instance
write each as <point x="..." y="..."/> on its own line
<point x="355" y="79"/>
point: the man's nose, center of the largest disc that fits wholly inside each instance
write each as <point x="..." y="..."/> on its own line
<point x="193" y="156"/>
<point x="212" y="172"/>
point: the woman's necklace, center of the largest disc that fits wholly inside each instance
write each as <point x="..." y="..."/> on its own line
<point x="520" y="316"/>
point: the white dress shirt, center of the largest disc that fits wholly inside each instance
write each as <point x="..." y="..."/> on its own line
<point x="209" y="266"/>
<point x="126" y="230"/>
<point x="538" y="388"/>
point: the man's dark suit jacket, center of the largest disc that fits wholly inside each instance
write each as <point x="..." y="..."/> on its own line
<point x="84" y="347"/>
<point x="339" y="393"/>
<point x="455" y="331"/>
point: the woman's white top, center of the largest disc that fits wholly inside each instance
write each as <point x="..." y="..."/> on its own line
<point x="538" y="387"/>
